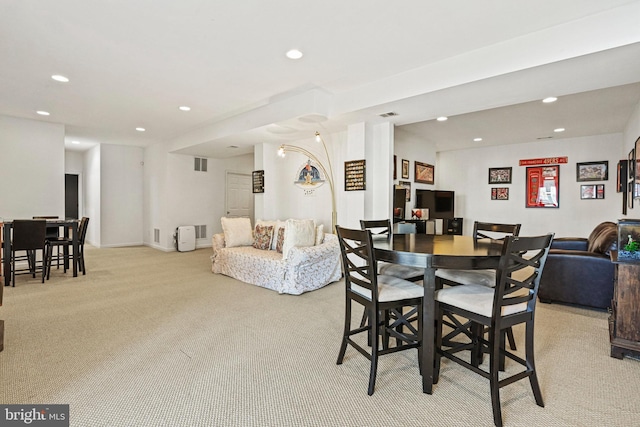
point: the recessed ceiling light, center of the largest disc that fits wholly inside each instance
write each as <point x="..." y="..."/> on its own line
<point x="140" y="129"/>
<point x="559" y="130"/>
<point x="550" y="100"/>
<point x="75" y="142"/>
<point x="185" y="108"/>
<point x="59" y="78"/>
<point x="42" y="113"/>
<point x="442" y="118"/>
<point x="477" y="139"/>
<point x="294" y="54"/>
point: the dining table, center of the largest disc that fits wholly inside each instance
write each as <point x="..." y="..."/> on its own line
<point x="432" y="252"/>
<point x="69" y="229"/>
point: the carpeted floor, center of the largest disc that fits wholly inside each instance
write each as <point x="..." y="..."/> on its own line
<point x="149" y="338"/>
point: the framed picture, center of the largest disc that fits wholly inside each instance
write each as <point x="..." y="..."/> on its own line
<point x="258" y="181"/>
<point x="405" y="169"/>
<point x="499" y="175"/>
<point x="424" y="173"/>
<point x="636" y="179"/>
<point x="395" y="169"/>
<point x="631" y="173"/>
<point x="500" y="193"/>
<point x="543" y="187"/>
<point x="592" y="191"/>
<point x="407" y="186"/>
<point x="592" y="171"/>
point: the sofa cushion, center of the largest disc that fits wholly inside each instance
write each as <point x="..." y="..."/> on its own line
<point x="280" y="240"/>
<point x="262" y="236"/>
<point x="237" y="232"/>
<point x="278" y="225"/>
<point x="603" y="237"/>
<point x="319" y="234"/>
<point x="298" y="232"/>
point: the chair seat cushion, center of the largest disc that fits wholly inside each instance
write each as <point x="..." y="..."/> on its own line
<point x="399" y="270"/>
<point x="469" y="277"/>
<point x="476" y="299"/>
<point x="392" y="289"/>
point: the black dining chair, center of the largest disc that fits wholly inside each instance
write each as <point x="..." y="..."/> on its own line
<point x="67" y="244"/>
<point x="384" y="298"/>
<point x="481" y="230"/>
<point x="28" y="235"/>
<point x="467" y="310"/>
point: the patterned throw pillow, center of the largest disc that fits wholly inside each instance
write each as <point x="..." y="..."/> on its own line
<point x="280" y="239"/>
<point x="262" y="236"/>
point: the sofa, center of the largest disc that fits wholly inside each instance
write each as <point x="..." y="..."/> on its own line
<point x="579" y="270"/>
<point x="288" y="266"/>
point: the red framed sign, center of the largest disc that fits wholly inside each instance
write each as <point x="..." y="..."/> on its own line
<point x="543" y="187"/>
<point x="544" y="161"/>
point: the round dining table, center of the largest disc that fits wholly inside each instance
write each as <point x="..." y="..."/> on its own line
<point x="432" y="252"/>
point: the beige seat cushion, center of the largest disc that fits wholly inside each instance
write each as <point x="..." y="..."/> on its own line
<point x="392" y="289"/>
<point x="398" y="270"/>
<point x="469" y="277"/>
<point x="474" y="298"/>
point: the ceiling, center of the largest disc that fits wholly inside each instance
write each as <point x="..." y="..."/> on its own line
<point x="486" y="65"/>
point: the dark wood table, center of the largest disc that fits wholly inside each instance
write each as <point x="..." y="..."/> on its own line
<point x="434" y="252"/>
<point x="69" y="226"/>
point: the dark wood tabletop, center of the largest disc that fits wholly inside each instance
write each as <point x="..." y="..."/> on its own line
<point x="433" y="252"/>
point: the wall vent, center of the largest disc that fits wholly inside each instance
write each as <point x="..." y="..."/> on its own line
<point x="200" y="164"/>
<point x="201" y="231"/>
<point x="156" y="235"/>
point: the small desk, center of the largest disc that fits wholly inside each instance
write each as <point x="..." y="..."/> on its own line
<point x="51" y="223"/>
<point x="433" y="252"/>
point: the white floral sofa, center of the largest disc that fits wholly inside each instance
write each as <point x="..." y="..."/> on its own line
<point x="246" y="254"/>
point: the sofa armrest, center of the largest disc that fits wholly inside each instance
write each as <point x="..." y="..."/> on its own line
<point x="305" y="254"/>
<point x="217" y="243"/>
<point x="570" y="243"/>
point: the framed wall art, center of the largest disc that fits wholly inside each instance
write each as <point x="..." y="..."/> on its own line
<point x="258" y="181"/>
<point x="636" y="179"/>
<point x="395" y="169"/>
<point x="631" y="173"/>
<point x="543" y="187"/>
<point x="424" y="173"/>
<point x="592" y="171"/>
<point x="500" y="175"/>
<point x="405" y="169"/>
<point x="354" y="175"/>
<point x="407" y="186"/>
<point x="500" y="193"/>
<point x="592" y="191"/>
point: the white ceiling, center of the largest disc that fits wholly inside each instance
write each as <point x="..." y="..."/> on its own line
<point x="485" y="64"/>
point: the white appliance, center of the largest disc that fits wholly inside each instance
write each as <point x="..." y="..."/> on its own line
<point x="185" y="238"/>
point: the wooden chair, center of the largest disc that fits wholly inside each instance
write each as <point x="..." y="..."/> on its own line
<point x="28" y="235"/>
<point x="512" y="301"/>
<point x="67" y="242"/>
<point x="383" y="297"/>
<point x="481" y="230"/>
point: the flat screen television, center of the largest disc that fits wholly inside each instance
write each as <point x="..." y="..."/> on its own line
<point x="441" y="204"/>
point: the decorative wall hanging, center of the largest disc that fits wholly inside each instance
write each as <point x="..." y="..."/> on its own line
<point x="407" y="186"/>
<point x="631" y="173"/>
<point x="592" y="191"/>
<point x="636" y="181"/>
<point x="354" y="175"/>
<point x="500" y="193"/>
<point x="543" y="187"/>
<point x="395" y="169"/>
<point x="309" y="176"/>
<point x="424" y="173"/>
<point x="592" y="171"/>
<point x="258" y="181"/>
<point x="500" y="175"/>
<point x="405" y="169"/>
<point x="544" y="161"/>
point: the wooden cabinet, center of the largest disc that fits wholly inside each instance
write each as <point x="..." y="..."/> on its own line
<point x="624" y="321"/>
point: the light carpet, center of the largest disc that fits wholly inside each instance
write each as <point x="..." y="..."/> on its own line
<point x="149" y="338"/>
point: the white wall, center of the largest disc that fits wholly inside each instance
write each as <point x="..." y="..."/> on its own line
<point x="466" y="172"/>
<point x="31" y="168"/>
<point x="121" y="194"/>
<point x="631" y="134"/>
<point x="92" y="198"/>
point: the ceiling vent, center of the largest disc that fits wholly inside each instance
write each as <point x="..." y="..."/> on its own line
<point x="389" y="114"/>
<point x="544" y="137"/>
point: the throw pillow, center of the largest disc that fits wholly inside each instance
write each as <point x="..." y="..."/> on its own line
<point x="237" y="232"/>
<point x="280" y="240"/>
<point x="274" y="233"/>
<point x="319" y="234"/>
<point x="262" y="236"/>
<point x="299" y="232"/>
<point x="279" y="225"/>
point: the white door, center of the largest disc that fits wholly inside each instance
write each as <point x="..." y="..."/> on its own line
<point x="239" y="196"/>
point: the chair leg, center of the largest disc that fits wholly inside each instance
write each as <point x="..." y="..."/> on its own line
<point x="512" y="340"/>
<point x="345" y="334"/>
<point x="494" y="368"/>
<point x="374" y="331"/>
<point x="533" y="378"/>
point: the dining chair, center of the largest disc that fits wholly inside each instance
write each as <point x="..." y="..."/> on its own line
<point x="28" y="235"/>
<point x="481" y="230"/>
<point x="51" y="232"/>
<point x="67" y="243"/>
<point x="384" y="298"/>
<point x="466" y="310"/>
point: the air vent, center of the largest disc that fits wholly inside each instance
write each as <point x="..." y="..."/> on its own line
<point x="544" y="137"/>
<point x="389" y="114"/>
<point x="156" y="235"/>
<point x="200" y="164"/>
<point x="201" y="231"/>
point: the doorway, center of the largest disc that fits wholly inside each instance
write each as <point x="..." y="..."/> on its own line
<point x="239" y="196"/>
<point x="71" y="197"/>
